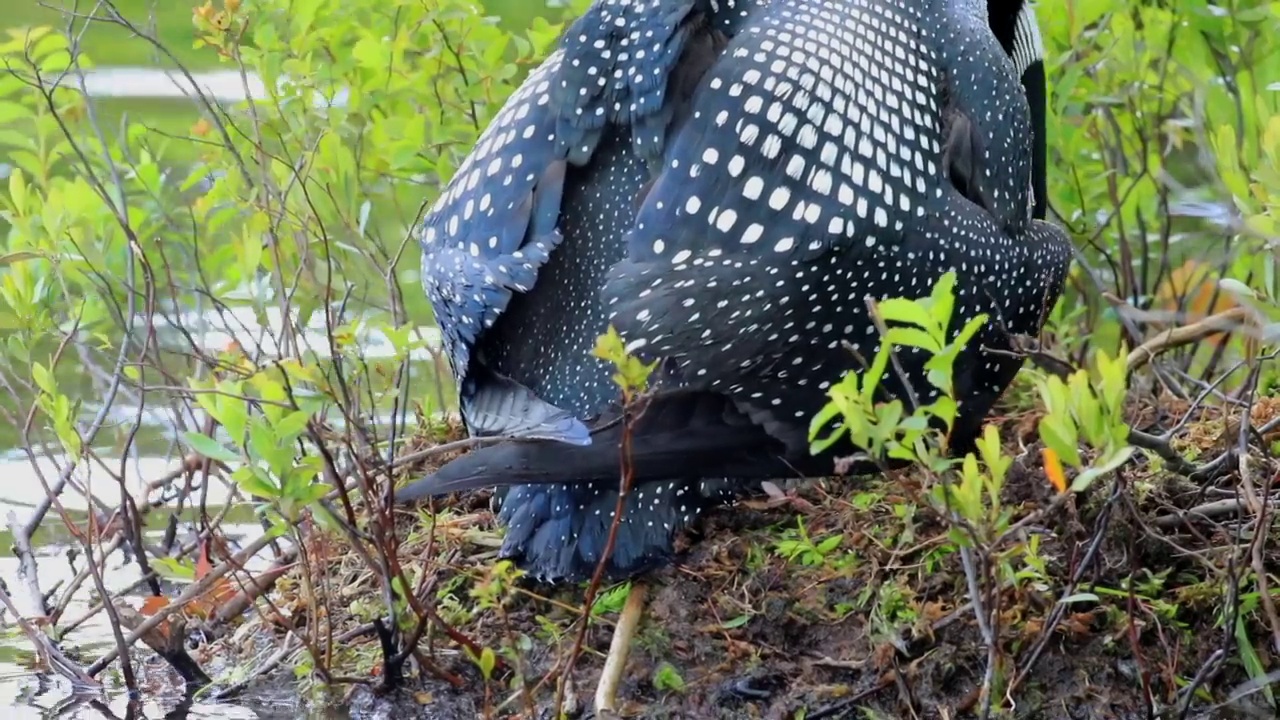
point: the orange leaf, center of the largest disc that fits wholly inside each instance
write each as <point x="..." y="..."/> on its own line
<point x="223" y="591"/>
<point x="1195" y="285"/>
<point x="1053" y="470"/>
<point x="209" y="602"/>
<point x="203" y="566"/>
<point x="154" y="604"/>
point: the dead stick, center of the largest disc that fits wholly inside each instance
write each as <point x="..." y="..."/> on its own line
<point x="1206" y="511"/>
<point x="50" y="655"/>
<point x="616" y="662"/>
<point x="258" y="585"/>
<point x="27" y="569"/>
<point x="1257" y="561"/>
<point x="1226" y="321"/>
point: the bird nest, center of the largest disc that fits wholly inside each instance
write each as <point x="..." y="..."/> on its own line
<point x="841" y="596"/>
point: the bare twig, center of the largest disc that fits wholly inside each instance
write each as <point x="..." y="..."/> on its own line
<point x="49" y="653"/>
<point x="597" y="576"/>
<point x="1227" y="321"/>
<point x="1060" y="608"/>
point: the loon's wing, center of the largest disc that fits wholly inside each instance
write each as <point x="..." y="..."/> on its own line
<point x="680" y="434"/>
<point x="699" y="433"/>
<point x="497" y="222"/>
<point x="622" y="56"/>
<point x="484" y="240"/>
<point x="964" y="166"/>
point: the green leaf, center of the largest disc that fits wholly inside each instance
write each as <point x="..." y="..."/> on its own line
<point x="1054" y="433"/>
<point x="666" y="677"/>
<point x="209" y="447"/>
<point x="822" y="419"/>
<point x="18" y="191"/>
<point x="487" y="662"/>
<point x="901" y="310"/>
<point x="1090" y="475"/>
<point x="233" y="413"/>
<point x="1250" y="659"/>
<point x="44" y="380"/>
<point x="19" y="256"/>
<point x="943" y="297"/>
<point x="173" y="568"/>
<point x="291" y="426"/>
<point x="1237" y="288"/>
<point x="831" y="543"/>
<point x="913" y="337"/>
<point x="263" y="441"/>
<point x="970" y="329"/>
<point x="252" y="481"/>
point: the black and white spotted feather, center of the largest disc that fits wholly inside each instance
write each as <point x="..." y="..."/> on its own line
<point x="730" y="218"/>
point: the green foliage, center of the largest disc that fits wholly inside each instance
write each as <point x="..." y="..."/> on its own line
<point x="632" y="375"/>
<point x="1087" y="408"/>
<point x="886" y="429"/>
<point x="975" y="494"/>
<point x="1164" y="131"/>
<point x="797" y="546"/>
<point x="485" y="661"/>
<point x="611" y="600"/>
<point x="296" y="206"/>
<point x="667" y="679"/>
<point x="112" y="43"/>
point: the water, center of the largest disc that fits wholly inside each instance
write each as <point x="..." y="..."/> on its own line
<point x="22" y="693"/>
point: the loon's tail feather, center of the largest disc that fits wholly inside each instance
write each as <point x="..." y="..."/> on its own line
<point x="558" y="533"/>
<point x="502" y="406"/>
<point x="679" y="434"/>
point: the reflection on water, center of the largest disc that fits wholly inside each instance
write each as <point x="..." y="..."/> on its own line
<point x="22" y="694"/>
<point x="39" y="698"/>
<point x="241" y="325"/>
<point x="155" y="456"/>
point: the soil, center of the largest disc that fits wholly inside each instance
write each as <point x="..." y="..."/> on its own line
<point x="880" y="626"/>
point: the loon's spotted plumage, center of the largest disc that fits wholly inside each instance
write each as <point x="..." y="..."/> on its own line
<point x="727" y="207"/>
